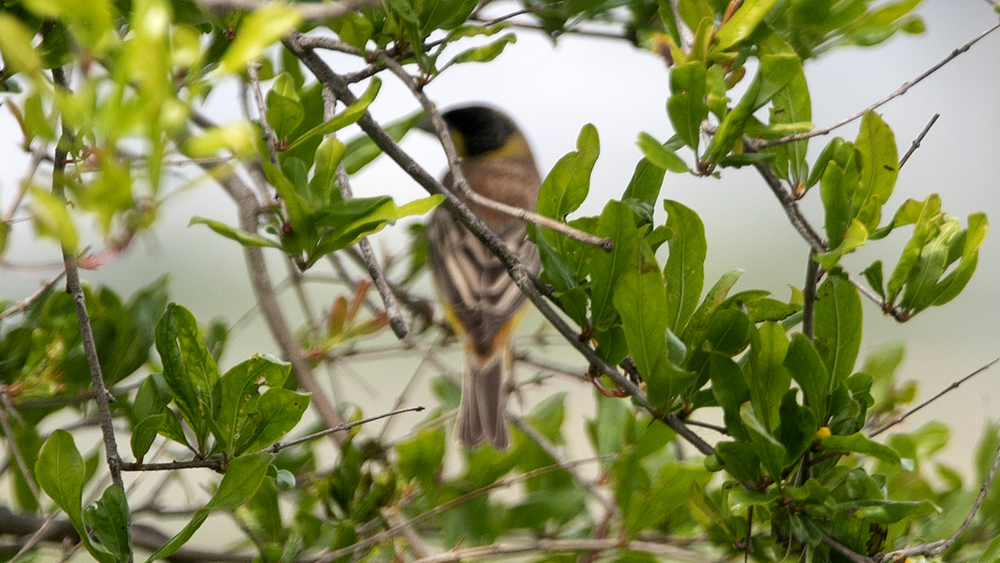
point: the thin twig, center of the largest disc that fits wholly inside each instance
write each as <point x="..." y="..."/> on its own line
<point x="524" y="279"/>
<point x="578" y="373"/>
<point x="458" y="179"/>
<point x="38" y="154"/>
<point x="937" y="547"/>
<point x="720" y="429"/>
<point x="498" y="484"/>
<point x="550" y="449"/>
<point x="816" y="243"/>
<point x="37" y="536"/>
<point x="392" y="312"/>
<point x="898" y="92"/>
<point x="375" y="271"/>
<point x="842" y="549"/>
<point x="277" y="447"/>
<point x="417" y="545"/>
<point x="269" y="136"/>
<point x="916" y="142"/>
<point x="944" y="391"/>
<point x="27" y="302"/>
<point x="12" y="443"/>
<point x="552" y="546"/>
<point x="101" y="395"/>
<point x="214" y="463"/>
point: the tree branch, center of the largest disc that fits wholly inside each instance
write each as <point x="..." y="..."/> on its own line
<point x="498" y="484"/>
<point x="278" y="446"/>
<point x="615" y="545"/>
<point x="267" y="299"/>
<point x="101" y="395"/>
<point x="916" y="142"/>
<point x="944" y="391"/>
<point x="897" y="93"/>
<point x="550" y="450"/>
<point x="816" y="243"/>
<point x="26" y="303"/>
<point x="847" y="552"/>
<point x="270" y="139"/>
<point x="937" y="547"/>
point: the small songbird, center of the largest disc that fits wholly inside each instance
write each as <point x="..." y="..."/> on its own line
<point x="480" y="299"/>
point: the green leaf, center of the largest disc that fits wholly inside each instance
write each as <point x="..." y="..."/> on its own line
<point x="729" y="387"/>
<point x="143" y="434"/>
<point x="483" y="53"/>
<point x="52" y="219"/>
<point x="740" y="459"/>
<point x="684" y="272"/>
<point x="791" y="106"/>
<point x="284" y="114"/>
<point x="276" y="412"/>
<point x="242" y="479"/>
<point x="645" y="184"/>
<point x="892" y="511"/>
<point x="775" y="72"/>
<point x="660" y="155"/>
<point x="243" y="237"/>
<point x="769" y="450"/>
<point x="768" y="379"/>
<point x="686" y="105"/>
<point x="60" y="472"/>
<point x="238" y="416"/>
<point x="648" y="509"/>
<point x="240" y="138"/>
<point x="809" y="371"/>
<point x="616" y="222"/>
<point x="876" y="146"/>
<point x="109" y="519"/>
<point x="714" y="297"/>
<point x="640" y="298"/>
<point x="797" y="427"/>
<point x="859" y="443"/>
<point x="743" y="23"/>
<point x="422" y="456"/>
<point x="188" y="369"/>
<point x="838" y="325"/>
<point x="992" y="553"/>
<point x="15" y="46"/>
<point x="925" y="217"/>
<point x="925" y="285"/>
<point x="855" y="236"/>
<point x="362" y="150"/>
<point x="567" y="185"/>
<point x="259" y="30"/>
<point x="349" y="116"/>
<point x="323" y="188"/>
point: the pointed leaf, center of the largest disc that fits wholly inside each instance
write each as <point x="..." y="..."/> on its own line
<point x="838" y="324"/>
<point x="684" y="272"/>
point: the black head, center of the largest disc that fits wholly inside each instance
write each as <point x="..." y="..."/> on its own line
<point x="482" y="129"/>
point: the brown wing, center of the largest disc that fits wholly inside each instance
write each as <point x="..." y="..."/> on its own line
<point x="472" y="282"/>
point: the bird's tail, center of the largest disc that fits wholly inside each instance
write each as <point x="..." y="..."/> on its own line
<point x="484" y="398"/>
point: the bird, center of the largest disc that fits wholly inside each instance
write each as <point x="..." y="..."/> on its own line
<point x="480" y="299"/>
